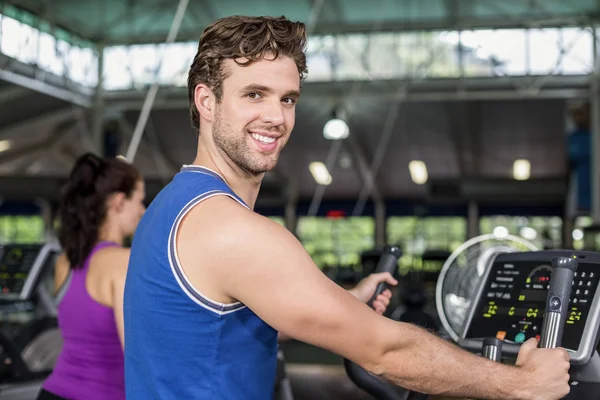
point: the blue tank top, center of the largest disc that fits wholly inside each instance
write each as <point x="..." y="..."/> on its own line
<point x="179" y="344"/>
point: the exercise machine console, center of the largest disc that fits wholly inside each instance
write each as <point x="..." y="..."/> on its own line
<point x="510" y="307"/>
<point x="29" y="337"/>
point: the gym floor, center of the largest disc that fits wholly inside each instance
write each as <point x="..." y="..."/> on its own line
<point x="318" y="374"/>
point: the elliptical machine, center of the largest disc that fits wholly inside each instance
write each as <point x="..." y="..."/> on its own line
<point x="506" y="311"/>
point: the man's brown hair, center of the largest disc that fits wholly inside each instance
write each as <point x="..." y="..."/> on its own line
<point x="242" y="37"/>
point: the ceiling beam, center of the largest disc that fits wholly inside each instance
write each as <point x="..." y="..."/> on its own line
<point x="363" y="167"/>
<point x="50" y="118"/>
<point x="464" y="120"/>
<point x="328" y="28"/>
<point x="431" y="90"/>
<point x="12" y="93"/>
<point x="27" y="187"/>
<point x="24" y="75"/>
<point x="498" y="190"/>
<point x="45" y="88"/>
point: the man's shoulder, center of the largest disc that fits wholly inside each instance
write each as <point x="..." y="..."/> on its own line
<point x="225" y="221"/>
<point x="188" y="189"/>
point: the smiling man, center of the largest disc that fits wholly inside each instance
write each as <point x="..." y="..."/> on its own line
<point x="211" y="283"/>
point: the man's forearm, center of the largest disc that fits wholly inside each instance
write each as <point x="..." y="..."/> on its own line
<point x="428" y="364"/>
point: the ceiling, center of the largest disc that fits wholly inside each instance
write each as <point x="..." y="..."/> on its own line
<point x="467" y="131"/>
<point x="143" y="21"/>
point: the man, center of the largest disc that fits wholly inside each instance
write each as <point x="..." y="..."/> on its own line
<point x="210" y="283"/>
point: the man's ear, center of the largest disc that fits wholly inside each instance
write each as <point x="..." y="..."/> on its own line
<point x="204" y="100"/>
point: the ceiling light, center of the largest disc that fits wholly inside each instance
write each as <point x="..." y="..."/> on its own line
<point x="336" y="129"/>
<point x="320" y="173"/>
<point x="500" y="232"/>
<point x="418" y="172"/>
<point x="528" y="232"/>
<point x="5" y="145"/>
<point x="521" y="170"/>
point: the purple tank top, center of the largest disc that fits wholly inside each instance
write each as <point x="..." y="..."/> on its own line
<point x="90" y="365"/>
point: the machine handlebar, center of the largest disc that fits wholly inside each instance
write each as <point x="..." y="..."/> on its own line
<point x="557" y="302"/>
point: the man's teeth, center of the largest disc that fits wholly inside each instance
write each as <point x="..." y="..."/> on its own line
<point x="263" y="139"/>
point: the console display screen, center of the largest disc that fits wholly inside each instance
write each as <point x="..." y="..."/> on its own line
<point x="15" y="265"/>
<point x="513" y="302"/>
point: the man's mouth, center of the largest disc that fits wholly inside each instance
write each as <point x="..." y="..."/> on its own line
<point x="263" y="139"/>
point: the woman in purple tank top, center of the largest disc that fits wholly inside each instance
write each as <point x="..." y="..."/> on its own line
<point x="101" y="205"/>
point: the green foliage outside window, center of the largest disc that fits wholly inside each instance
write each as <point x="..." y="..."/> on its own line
<point x="336" y="242"/>
<point x="21" y="229"/>
<point x="416" y="235"/>
<point x="579" y="239"/>
<point x="543" y="232"/>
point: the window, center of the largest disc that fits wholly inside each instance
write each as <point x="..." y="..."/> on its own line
<point x="336" y="242"/>
<point x="22" y="229"/>
<point x="416" y="235"/>
<point x="543" y="232"/>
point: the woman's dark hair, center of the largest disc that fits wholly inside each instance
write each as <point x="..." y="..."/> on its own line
<point x="82" y="207"/>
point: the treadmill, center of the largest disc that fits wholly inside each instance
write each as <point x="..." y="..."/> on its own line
<point x="30" y="340"/>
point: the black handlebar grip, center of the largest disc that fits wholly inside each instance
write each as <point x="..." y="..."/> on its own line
<point x="388" y="262"/>
<point x="492" y="349"/>
<point x="557" y="302"/>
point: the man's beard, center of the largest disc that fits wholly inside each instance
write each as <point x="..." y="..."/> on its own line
<point x="238" y="149"/>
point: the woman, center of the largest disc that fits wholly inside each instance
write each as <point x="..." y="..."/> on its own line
<point x="101" y="206"/>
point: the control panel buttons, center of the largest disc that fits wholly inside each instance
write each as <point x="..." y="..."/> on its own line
<point x="555" y="303"/>
<point x="520" y="337"/>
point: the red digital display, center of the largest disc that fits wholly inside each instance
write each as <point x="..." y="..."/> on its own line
<point x="335" y="214"/>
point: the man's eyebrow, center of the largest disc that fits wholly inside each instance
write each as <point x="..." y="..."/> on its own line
<point x="266" y="89"/>
<point x="257" y="87"/>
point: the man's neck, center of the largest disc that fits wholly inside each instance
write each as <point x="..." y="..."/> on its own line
<point x="242" y="184"/>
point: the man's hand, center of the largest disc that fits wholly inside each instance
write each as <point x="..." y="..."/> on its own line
<point x="546" y="371"/>
<point x="366" y="288"/>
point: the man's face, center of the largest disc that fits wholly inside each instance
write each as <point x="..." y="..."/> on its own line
<point x="255" y="117"/>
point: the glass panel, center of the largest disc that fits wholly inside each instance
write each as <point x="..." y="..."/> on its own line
<point x="21" y="229"/>
<point x="389" y="55"/>
<point x="494" y="52"/>
<point x="336" y="242"/>
<point x="416" y="235"/>
<point x="543" y="232"/>
<point x="49" y="52"/>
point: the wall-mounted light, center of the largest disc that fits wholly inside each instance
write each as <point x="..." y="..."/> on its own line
<point x="418" y="172"/>
<point x="320" y="173"/>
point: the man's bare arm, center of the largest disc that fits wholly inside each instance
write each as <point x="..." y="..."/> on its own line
<point x="256" y="261"/>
